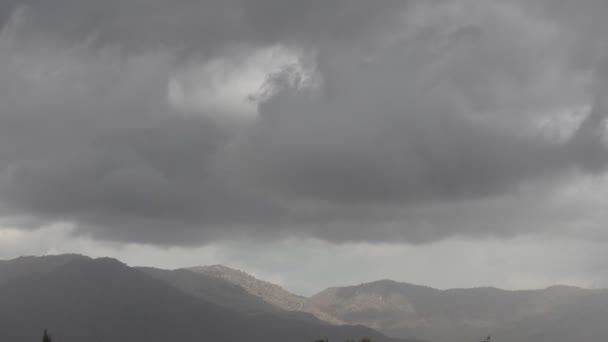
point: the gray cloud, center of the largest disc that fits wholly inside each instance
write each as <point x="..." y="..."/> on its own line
<point x="204" y="27"/>
<point x="422" y="120"/>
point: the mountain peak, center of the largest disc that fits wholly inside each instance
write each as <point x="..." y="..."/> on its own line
<point x="269" y="292"/>
<point x="31" y="265"/>
<point x="55" y="257"/>
<point x="72" y="299"/>
<point x="220" y="267"/>
<point x="564" y="288"/>
<point x="241" y="278"/>
<point x="388" y="285"/>
<point x="220" y="271"/>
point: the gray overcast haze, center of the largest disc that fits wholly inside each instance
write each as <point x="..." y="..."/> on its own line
<point x="452" y="143"/>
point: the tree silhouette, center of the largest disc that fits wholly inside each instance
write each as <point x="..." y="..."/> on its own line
<point x="46" y="337"/>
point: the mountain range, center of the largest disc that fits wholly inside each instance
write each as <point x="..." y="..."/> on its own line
<point x="78" y="299"/>
<point x="556" y="314"/>
<point x="81" y="299"/>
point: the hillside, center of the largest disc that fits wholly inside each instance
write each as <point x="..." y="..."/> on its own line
<point x="556" y="314"/>
<point x="268" y="292"/>
<point x="103" y="299"/>
<point x="79" y="298"/>
<point x="214" y="290"/>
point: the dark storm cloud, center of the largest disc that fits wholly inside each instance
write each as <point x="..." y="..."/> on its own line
<point x="205" y="26"/>
<point x="422" y="120"/>
<point x="99" y="145"/>
<point x="444" y="116"/>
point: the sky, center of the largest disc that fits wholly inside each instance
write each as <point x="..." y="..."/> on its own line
<point x="450" y="143"/>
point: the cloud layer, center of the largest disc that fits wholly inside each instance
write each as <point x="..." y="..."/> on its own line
<point x="400" y="121"/>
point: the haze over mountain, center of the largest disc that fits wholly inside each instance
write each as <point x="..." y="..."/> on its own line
<point x="28" y="266"/>
<point x="269" y="292"/>
<point x="80" y="299"/>
<point x="461" y="315"/>
<point x="213" y="290"/>
<point x="556" y="314"/>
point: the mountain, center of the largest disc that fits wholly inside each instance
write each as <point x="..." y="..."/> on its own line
<point x="224" y="293"/>
<point x="268" y="292"/>
<point x="28" y="265"/>
<point x="214" y="290"/>
<point x="81" y="299"/>
<point x="556" y="314"/>
<point x="78" y="298"/>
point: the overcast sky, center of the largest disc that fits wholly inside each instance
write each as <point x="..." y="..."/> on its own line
<point x="450" y="143"/>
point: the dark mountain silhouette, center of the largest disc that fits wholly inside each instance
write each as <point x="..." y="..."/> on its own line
<point x="78" y="298"/>
<point x="102" y="299"/>
<point x="29" y="265"/>
<point x="214" y="290"/>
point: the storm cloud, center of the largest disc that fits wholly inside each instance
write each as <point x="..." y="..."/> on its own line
<point x="394" y="121"/>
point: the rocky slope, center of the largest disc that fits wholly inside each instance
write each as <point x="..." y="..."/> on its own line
<point x="269" y="292"/>
<point x="462" y="315"/>
<point x="556" y="314"/>
<point x="105" y="300"/>
<point x="214" y="290"/>
<point x="77" y="297"/>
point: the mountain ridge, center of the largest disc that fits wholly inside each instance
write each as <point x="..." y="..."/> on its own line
<point x="269" y="292"/>
<point x="409" y="310"/>
<point x="91" y="299"/>
<point x="398" y="309"/>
